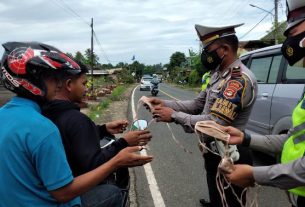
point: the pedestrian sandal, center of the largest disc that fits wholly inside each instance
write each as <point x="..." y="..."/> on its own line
<point x="210" y="128"/>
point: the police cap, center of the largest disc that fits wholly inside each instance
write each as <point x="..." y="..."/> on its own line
<point x="208" y="35"/>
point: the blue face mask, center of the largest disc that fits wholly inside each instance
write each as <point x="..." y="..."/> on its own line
<point x="292" y="50"/>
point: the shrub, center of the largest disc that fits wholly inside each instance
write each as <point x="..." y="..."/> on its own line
<point x="194" y="78"/>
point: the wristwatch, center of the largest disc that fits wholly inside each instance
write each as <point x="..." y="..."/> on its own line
<point x="247" y="139"/>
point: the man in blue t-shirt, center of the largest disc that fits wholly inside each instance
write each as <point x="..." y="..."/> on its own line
<point x="33" y="166"/>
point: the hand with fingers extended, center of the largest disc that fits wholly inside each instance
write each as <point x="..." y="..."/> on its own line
<point x="116" y="127"/>
<point x="241" y="175"/>
<point x="138" y="137"/>
<point x="163" y="114"/>
<point x="129" y="158"/>
<point x="236" y="136"/>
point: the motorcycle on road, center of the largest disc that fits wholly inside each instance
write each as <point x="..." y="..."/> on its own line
<point x="154" y="89"/>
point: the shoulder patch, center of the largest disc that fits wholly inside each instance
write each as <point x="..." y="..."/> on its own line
<point x="233" y="86"/>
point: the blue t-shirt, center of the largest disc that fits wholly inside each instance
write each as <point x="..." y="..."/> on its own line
<point x="32" y="157"/>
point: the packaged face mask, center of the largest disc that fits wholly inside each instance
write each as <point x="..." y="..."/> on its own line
<point x="210" y="128"/>
<point x="146" y="103"/>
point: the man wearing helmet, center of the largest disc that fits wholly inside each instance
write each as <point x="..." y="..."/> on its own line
<point x="82" y="144"/>
<point x="34" y="169"/>
<point x="290" y="173"/>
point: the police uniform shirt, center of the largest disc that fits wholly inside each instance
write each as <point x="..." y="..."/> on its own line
<point x="228" y="100"/>
<point x="284" y="176"/>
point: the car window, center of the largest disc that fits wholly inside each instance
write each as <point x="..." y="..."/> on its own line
<point x="274" y="70"/>
<point x="297" y="71"/>
<point x="147" y="79"/>
<point x="245" y="60"/>
<point x="260" y="67"/>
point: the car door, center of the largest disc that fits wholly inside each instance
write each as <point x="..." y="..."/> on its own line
<point x="265" y="67"/>
<point x="288" y="92"/>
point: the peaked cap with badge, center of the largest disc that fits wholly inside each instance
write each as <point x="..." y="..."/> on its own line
<point x="295" y="13"/>
<point x="208" y="34"/>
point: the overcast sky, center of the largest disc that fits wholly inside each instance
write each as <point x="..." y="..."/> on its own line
<point x="149" y="29"/>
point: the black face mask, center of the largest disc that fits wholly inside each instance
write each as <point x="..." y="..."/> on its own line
<point x="291" y="48"/>
<point x="210" y="60"/>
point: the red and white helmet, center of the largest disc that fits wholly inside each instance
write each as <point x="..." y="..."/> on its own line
<point x="23" y="63"/>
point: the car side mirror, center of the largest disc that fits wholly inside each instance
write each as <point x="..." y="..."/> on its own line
<point x="139" y="124"/>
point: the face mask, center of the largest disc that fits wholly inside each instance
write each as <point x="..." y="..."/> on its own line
<point x="292" y="50"/>
<point x="211" y="60"/>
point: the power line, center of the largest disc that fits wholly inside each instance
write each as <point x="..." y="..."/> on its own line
<point x="74" y="12"/>
<point x="255" y="25"/>
<point x="101" y="48"/>
<point x="70" y="11"/>
<point x="94" y="34"/>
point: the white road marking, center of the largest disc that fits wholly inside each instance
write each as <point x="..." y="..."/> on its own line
<point x="152" y="183"/>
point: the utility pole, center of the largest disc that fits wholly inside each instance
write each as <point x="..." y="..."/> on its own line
<point x="276" y="24"/>
<point x="92" y="54"/>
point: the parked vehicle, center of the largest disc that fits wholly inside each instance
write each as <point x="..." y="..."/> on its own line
<point x="280" y="87"/>
<point x="145" y="83"/>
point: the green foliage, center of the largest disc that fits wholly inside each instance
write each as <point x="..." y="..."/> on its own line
<point x="137" y="68"/>
<point x="175" y="75"/>
<point x="176" y="60"/>
<point x="280" y="32"/>
<point x="126" y="77"/>
<point x="69" y="54"/>
<point x="107" y="66"/>
<point x="116" y="94"/>
<point x="121" y="65"/>
<point x="95" y="111"/>
<point x="194" y="78"/>
<point x="196" y="63"/>
<point x="88" y="58"/>
<point x="79" y="57"/>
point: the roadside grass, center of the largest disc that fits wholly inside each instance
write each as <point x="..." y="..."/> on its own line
<point x="116" y="95"/>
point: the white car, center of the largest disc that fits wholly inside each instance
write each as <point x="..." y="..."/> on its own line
<point x="145" y="83"/>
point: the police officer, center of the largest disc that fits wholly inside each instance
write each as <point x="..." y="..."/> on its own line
<point x="228" y="100"/>
<point x="290" y="173"/>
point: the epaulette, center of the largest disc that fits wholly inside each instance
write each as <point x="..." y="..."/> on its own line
<point x="236" y="72"/>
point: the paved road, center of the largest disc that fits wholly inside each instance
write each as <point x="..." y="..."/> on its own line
<point x="180" y="175"/>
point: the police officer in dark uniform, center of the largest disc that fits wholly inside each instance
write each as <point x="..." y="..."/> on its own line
<point x="228" y="100"/>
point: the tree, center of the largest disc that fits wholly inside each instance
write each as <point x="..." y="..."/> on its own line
<point x="176" y="60"/>
<point x="280" y="36"/>
<point x="80" y="57"/>
<point x="195" y="63"/>
<point x="69" y="54"/>
<point x="121" y="65"/>
<point x="107" y="66"/>
<point x="88" y="58"/>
